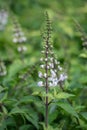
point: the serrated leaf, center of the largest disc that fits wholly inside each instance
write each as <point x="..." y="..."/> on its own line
<point x="63" y="95"/>
<point x="4" y="110"/>
<point x="49" y="95"/>
<point x="68" y="108"/>
<point x="1" y="89"/>
<point x="16" y="111"/>
<point x="84" y="115"/>
<point x="27" y="99"/>
<point x="32" y="118"/>
<point x="3" y="96"/>
<point x="25" y="127"/>
<point x="49" y="127"/>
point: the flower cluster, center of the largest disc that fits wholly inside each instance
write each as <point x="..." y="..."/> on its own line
<point x="3" y="19"/>
<point x="19" y="37"/>
<point x="51" y="73"/>
<point x="55" y="73"/>
<point x="3" y="71"/>
<point x="84" y="40"/>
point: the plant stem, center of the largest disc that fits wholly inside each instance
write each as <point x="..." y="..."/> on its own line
<point x="46" y="118"/>
<point x="47" y="42"/>
<point x="46" y="114"/>
<point x="46" y="105"/>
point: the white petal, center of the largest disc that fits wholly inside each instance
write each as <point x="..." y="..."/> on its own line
<point x="42" y="66"/>
<point x="45" y="75"/>
<point x="53" y="73"/>
<point x="40" y="84"/>
<point x="15" y="40"/>
<point x="40" y="74"/>
<point x="46" y="59"/>
<point x="24" y="48"/>
<point x="41" y="59"/>
<point x="59" y="67"/>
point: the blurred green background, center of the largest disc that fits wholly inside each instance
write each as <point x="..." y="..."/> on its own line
<point x="66" y="39"/>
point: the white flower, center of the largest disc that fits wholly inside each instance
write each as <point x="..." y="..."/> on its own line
<point x="41" y="59"/>
<point x="42" y="51"/>
<point x="15" y="40"/>
<point x="21" y="33"/>
<point x="46" y="59"/>
<point x="51" y="65"/>
<point x="3" y="73"/>
<point x="55" y="83"/>
<point x="59" y="67"/>
<point x="23" y="39"/>
<point x="62" y="77"/>
<point x="45" y="75"/>
<point x="40" y="83"/>
<point x="53" y="80"/>
<point x="47" y="52"/>
<point x="42" y="66"/>
<point x="53" y="73"/>
<point x="51" y="59"/>
<point x="48" y="67"/>
<point x="50" y="78"/>
<point x="22" y="48"/>
<point x="16" y="34"/>
<point x="56" y="62"/>
<point x="51" y="52"/>
<point x="51" y="46"/>
<point x="45" y="46"/>
<point x="3" y="18"/>
<point x="40" y="74"/>
<point x="50" y="84"/>
<point x="19" y="49"/>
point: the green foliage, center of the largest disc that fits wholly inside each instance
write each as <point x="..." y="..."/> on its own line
<point x="22" y="102"/>
<point x="67" y="107"/>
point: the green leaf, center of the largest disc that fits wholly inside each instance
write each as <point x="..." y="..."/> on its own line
<point x="32" y="118"/>
<point x="25" y="127"/>
<point x="16" y="111"/>
<point x="63" y="95"/>
<point x="4" y="110"/>
<point x="29" y="115"/>
<point x="27" y="99"/>
<point x="53" y="112"/>
<point x="84" y="115"/>
<point x="83" y="55"/>
<point x="15" y="67"/>
<point x="49" y="95"/>
<point x="49" y="127"/>
<point x="68" y="108"/>
<point x="35" y="93"/>
<point x="3" y="96"/>
<point x="2" y="89"/>
<point x="10" y="121"/>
